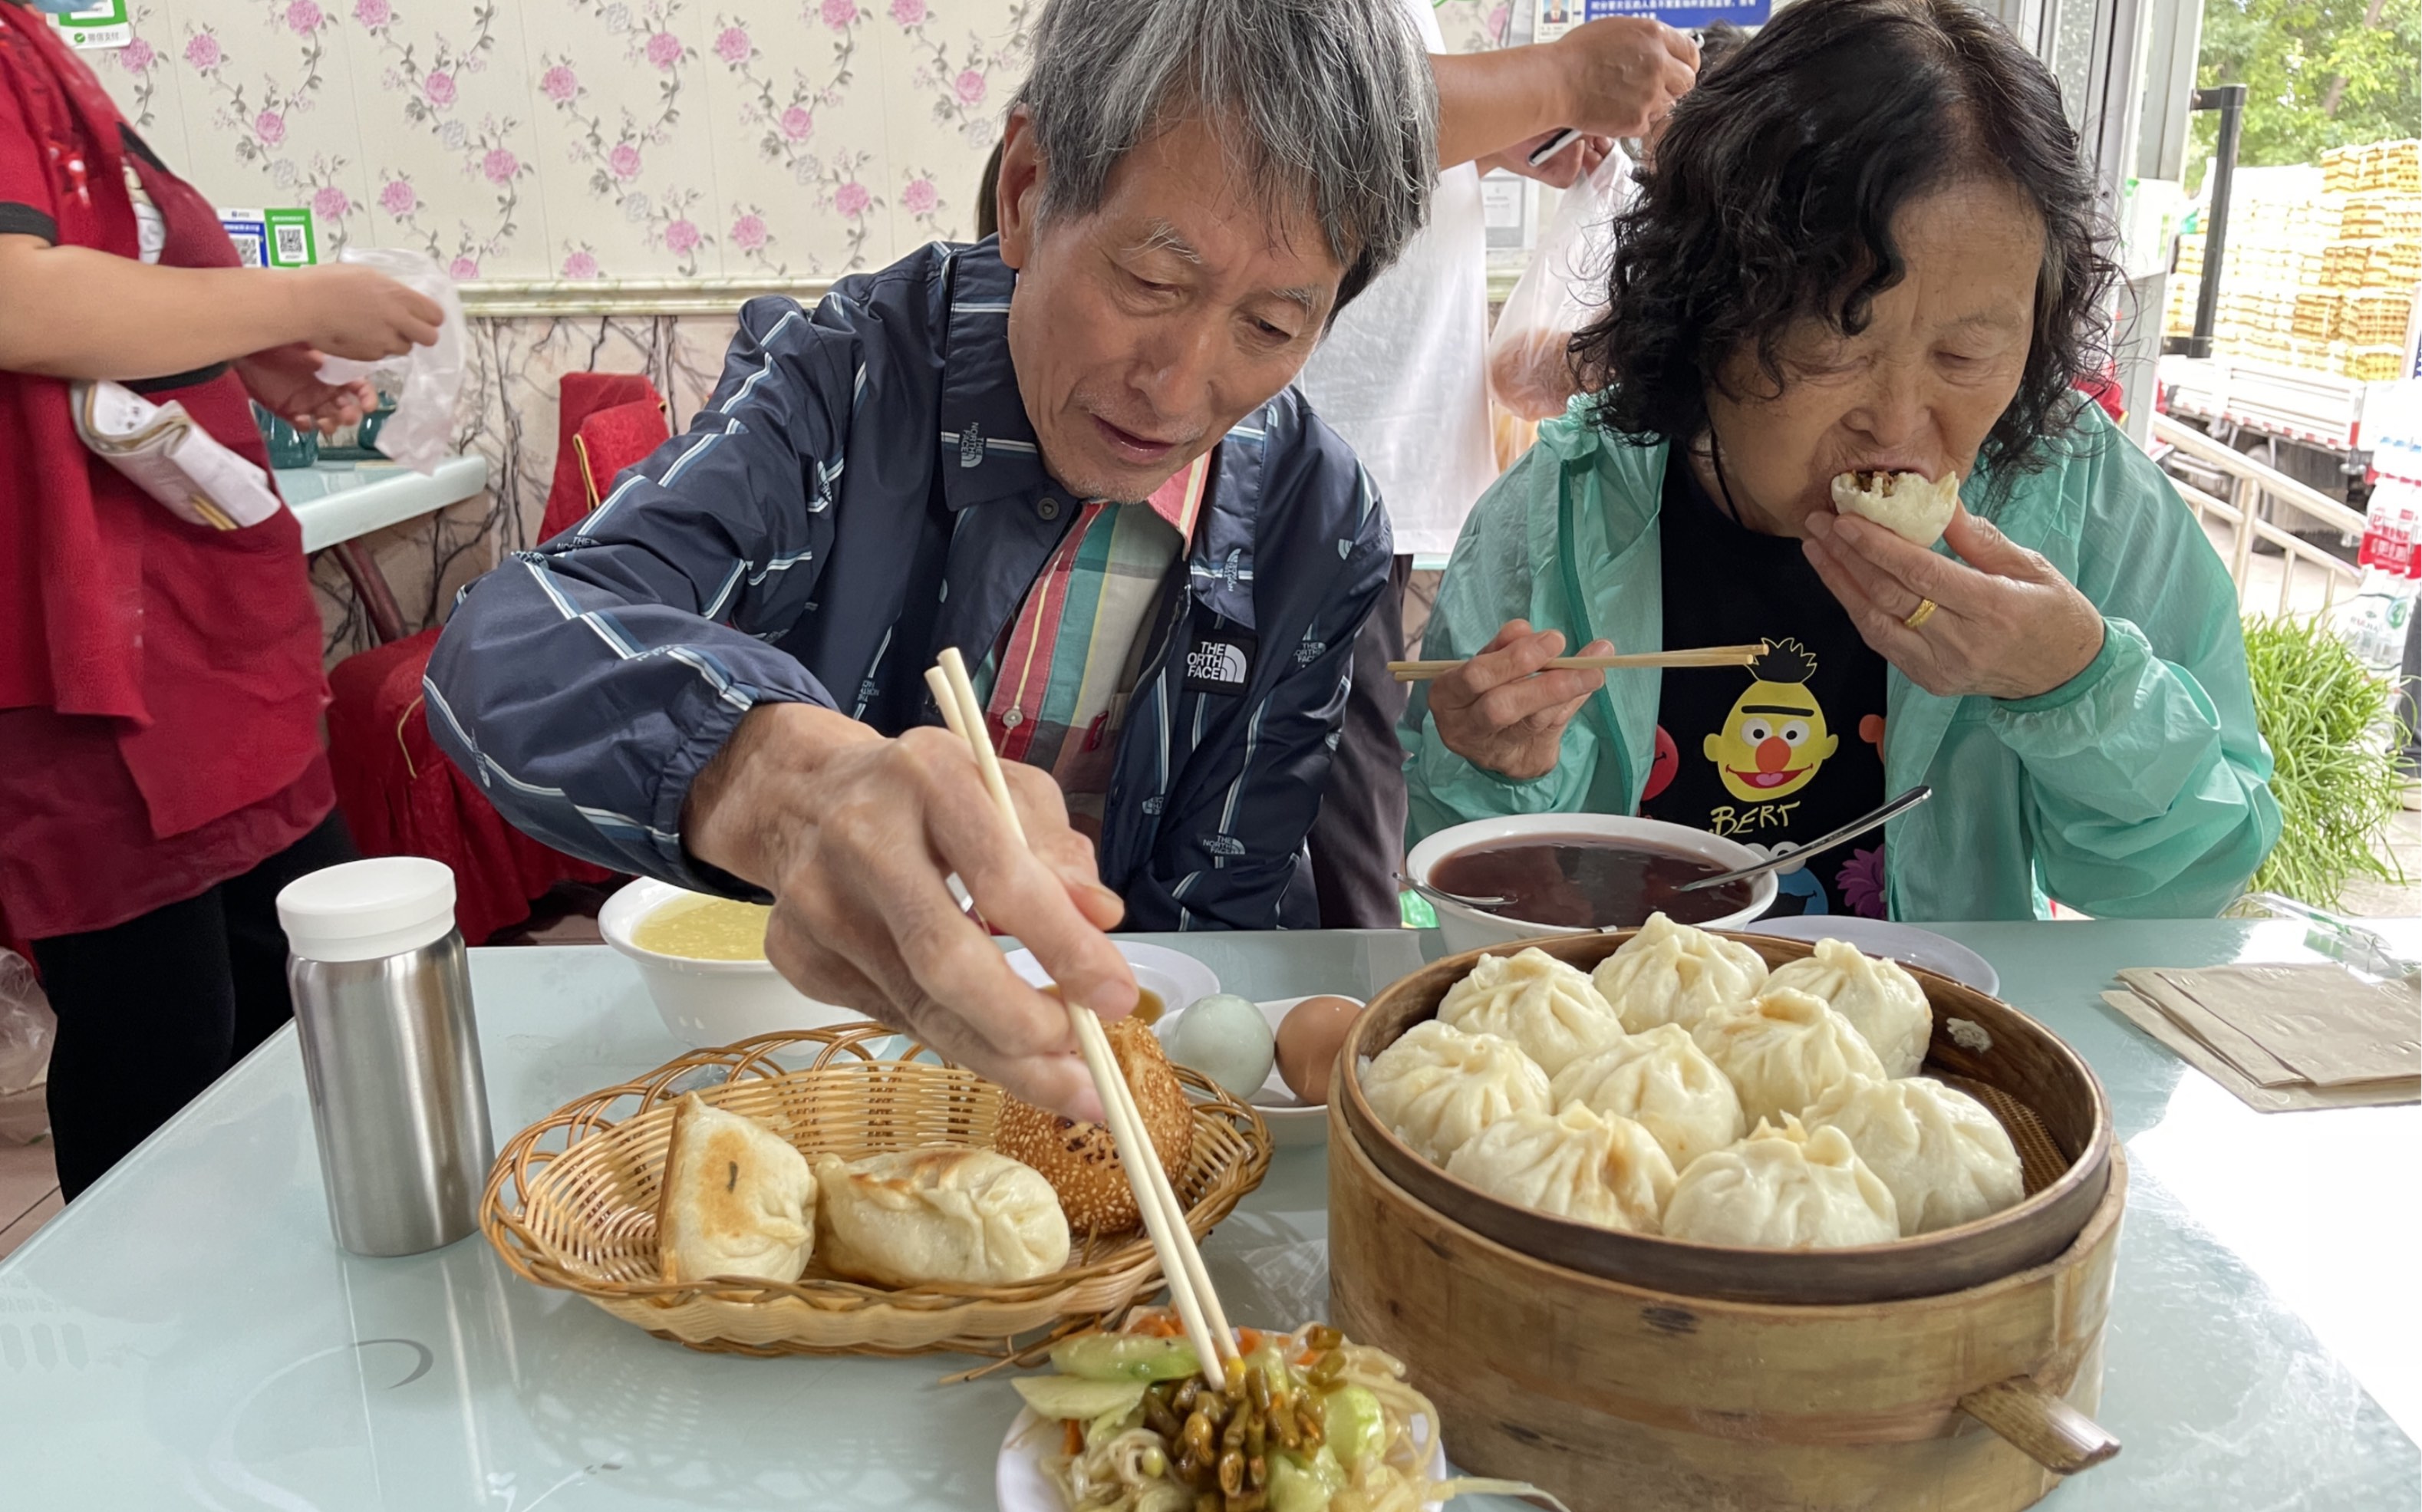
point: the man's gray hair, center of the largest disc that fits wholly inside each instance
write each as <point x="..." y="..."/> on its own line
<point x="1325" y="103"/>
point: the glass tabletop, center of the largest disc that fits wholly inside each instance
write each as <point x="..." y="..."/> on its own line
<point x="187" y="1333"/>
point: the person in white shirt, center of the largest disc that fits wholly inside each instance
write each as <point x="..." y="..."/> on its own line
<point x="1402" y="376"/>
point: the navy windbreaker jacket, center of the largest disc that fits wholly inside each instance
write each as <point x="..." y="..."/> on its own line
<point x="863" y="488"/>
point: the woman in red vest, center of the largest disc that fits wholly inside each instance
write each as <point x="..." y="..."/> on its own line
<point x="161" y="767"/>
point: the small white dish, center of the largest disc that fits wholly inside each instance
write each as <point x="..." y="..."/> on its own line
<point x="1905" y="943"/>
<point x="710" y="1003"/>
<point x="1468" y="929"/>
<point x="1291" y="1121"/>
<point x="1019" y="1482"/>
<point x="1178" y="980"/>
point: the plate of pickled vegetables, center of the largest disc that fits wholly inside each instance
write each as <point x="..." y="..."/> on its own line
<point x="1312" y="1422"/>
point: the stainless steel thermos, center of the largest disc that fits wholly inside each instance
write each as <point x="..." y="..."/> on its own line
<point x="383" y="1003"/>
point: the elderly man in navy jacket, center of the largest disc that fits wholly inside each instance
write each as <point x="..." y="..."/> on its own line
<point x="1074" y="455"/>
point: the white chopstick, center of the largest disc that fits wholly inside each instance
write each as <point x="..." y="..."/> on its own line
<point x="1164" y="1216"/>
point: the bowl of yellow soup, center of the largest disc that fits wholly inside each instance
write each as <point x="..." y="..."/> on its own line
<point x="703" y="959"/>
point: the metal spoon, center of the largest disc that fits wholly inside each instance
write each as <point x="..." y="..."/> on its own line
<point x="1856" y="827"/>
<point x="1443" y="895"/>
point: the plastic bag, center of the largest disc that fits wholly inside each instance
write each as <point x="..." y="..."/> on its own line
<point x="1530" y="363"/>
<point x="26" y="1029"/>
<point x="425" y="380"/>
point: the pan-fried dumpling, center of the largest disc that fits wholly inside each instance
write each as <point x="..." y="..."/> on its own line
<point x="1662" y="1081"/>
<point x="737" y="1200"/>
<point x="1948" y="1159"/>
<point x="1783" y="1049"/>
<point x="1671" y="974"/>
<point x="1537" y="1002"/>
<point x="1438" y="1086"/>
<point x="1910" y="505"/>
<point x="912" y="1217"/>
<point x="1882" y="1002"/>
<point x="1783" y="1189"/>
<point x="1574" y="1164"/>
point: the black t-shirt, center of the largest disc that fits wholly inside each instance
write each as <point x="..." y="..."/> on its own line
<point x="1776" y="754"/>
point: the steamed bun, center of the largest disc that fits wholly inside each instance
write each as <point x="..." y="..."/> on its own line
<point x="1671" y="974"/>
<point x="1910" y="505"/>
<point x="1946" y="1158"/>
<point x="1664" y="1082"/>
<point x="1882" y="1002"/>
<point x="1438" y="1086"/>
<point x="1782" y="1050"/>
<point x="1548" y="1008"/>
<point x="1574" y="1164"/>
<point x="1783" y="1189"/>
<point x="910" y="1217"/>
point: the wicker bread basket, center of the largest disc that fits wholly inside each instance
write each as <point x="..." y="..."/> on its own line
<point x="572" y="1200"/>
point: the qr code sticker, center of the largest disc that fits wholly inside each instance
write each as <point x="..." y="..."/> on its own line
<point x="247" y="249"/>
<point x="292" y="247"/>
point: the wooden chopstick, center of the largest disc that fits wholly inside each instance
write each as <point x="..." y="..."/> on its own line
<point x="1422" y="671"/>
<point x="1164" y="1216"/>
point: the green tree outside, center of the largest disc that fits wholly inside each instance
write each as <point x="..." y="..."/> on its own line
<point x="2319" y="73"/>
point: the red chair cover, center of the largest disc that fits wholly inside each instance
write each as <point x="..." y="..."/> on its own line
<point x="403" y="797"/>
<point x="585" y="394"/>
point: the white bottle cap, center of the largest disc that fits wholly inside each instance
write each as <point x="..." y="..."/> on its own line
<point x="364" y="910"/>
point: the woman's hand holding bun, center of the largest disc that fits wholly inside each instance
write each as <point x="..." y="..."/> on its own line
<point x="2007" y="623"/>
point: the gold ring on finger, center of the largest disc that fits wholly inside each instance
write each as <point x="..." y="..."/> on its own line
<point x="1917" y="617"/>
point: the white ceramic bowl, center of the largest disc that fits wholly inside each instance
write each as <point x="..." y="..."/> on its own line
<point x="1468" y="929"/>
<point x="1178" y="980"/>
<point x="1905" y="943"/>
<point x="708" y="1003"/>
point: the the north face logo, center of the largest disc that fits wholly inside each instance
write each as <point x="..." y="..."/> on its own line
<point x="1220" y="663"/>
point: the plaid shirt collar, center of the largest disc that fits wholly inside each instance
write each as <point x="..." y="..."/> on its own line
<point x="988" y="447"/>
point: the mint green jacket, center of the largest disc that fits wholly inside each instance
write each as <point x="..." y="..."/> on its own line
<point x="2137" y="789"/>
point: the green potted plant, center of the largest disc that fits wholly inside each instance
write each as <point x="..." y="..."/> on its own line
<point x="2327" y="720"/>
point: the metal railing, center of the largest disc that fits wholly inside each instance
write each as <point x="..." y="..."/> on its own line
<point x="2253" y="486"/>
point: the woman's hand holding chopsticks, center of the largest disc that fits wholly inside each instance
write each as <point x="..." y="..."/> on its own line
<point x="1504" y="710"/>
<point x="855" y="833"/>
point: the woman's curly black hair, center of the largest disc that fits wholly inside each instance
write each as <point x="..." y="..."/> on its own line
<point x="1772" y="194"/>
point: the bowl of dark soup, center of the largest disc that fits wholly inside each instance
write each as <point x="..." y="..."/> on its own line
<point x="1565" y="873"/>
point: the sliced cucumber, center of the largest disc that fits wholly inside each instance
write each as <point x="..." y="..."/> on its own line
<point x="1353" y="1423"/>
<point x="1110" y="1425"/>
<point x="1067" y="1397"/>
<point x="1300" y="1483"/>
<point x="1125" y="1356"/>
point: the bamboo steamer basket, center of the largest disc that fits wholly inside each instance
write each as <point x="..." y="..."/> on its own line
<point x="1954" y="1372"/>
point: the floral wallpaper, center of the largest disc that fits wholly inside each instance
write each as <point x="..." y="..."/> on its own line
<point x="586" y="139"/>
<point x="575" y="140"/>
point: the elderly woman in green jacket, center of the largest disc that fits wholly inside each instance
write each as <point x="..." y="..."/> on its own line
<point x="1867" y="245"/>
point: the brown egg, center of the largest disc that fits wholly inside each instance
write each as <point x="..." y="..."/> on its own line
<point x="1309" y="1039"/>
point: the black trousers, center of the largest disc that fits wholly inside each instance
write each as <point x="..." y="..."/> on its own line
<point x="1358" y="843"/>
<point x="155" y="1009"/>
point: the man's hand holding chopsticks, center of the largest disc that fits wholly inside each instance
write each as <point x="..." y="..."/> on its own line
<point x="855" y="835"/>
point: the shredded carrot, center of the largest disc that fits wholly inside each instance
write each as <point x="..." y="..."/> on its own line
<point x="1071" y="1439"/>
<point x="1157" y="1326"/>
<point x="1249" y="1340"/>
